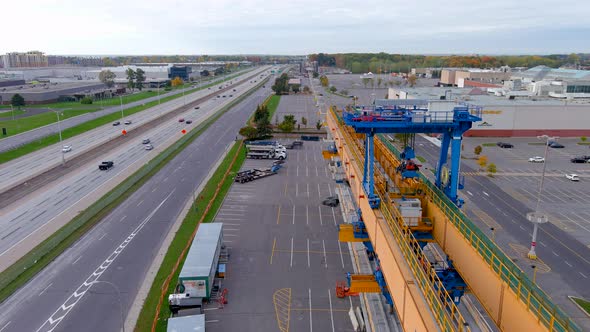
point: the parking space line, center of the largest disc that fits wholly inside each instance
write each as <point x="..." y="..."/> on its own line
<point x="331" y="311"/>
<point x="330" y="188"/>
<point x="291" y="251"/>
<point x="320" y="210"/>
<point x="310" y="319"/>
<point x="293" y="214"/>
<point x="334" y="216"/>
<point x="325" y="257"/>
<point x="272" y="253"/>
<point x="308" y="263"/>
<point x="341" y="257"/>
<point x="319" y="192"/>
<point x="307" y="189"/>
<point x="296" y="189"/>
<point x="307" y="214"/>
<point x="279" y="214"/>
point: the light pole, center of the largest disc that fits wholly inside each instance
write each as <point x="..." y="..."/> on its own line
<point x="12" y="108"/>
<point x="121" y="99"/>
<point x="118" y="297"/>
<point x="537" y="217"/>
<point x="63" y="157"/>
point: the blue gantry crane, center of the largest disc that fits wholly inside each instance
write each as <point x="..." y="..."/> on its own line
<point x="410" y="116"/>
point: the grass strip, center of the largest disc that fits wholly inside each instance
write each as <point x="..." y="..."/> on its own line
<point x="86" y="126"/>
<point x="582" y="303"/>
<point x="489" y="144"/>
<point x="37" y="259"/>
<point x="422" y="159"/>
<point x="208" y="197"/>
<point x="583" y="143"/>
<point x="272" y="103"/>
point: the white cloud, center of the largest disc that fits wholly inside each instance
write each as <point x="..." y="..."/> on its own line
<point x="256" y="26"/>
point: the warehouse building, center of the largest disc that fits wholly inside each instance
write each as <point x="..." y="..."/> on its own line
<point x="51" y="92"/>
<point x="514" y="114"/>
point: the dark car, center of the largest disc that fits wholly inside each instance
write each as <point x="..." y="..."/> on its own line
<point x="331" y="201"/>
<point x="181" y="120"/>
<point x="504" y="145"/>
<point x="116" y="123"/>
<point x="556" y="145"/>
<point x="188" y="121"/>
<point x="197" y="107"/>
<point x="580" y="159"/>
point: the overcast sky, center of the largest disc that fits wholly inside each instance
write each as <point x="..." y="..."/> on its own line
<point x="295" y="27"/>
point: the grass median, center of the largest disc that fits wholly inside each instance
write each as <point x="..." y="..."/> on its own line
<point x="37" y="259"/>
<point x="183" y="236"/>
<point x="86" y="126"/>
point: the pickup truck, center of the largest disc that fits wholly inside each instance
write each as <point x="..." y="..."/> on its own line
<point x="105" y="165"/>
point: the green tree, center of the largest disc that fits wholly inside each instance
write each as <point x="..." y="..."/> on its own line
<point x="139" y="78"/>
<point x="306" y="89"/>
<point x="333" y="89"/>
<point x="261" y="113"/>
<point x="318" y="125"/>
<point x="17" y="101"/>
<point x="583" y="138"/>
<point x="492" y="169"/>
<point x="366" y="81"/>
<point x="295" y="88"/>
<point x="249" y="132"/>
<point x="107" y="77"/>
<point x="86" y="101"/>
<point x="315" y="74"/>
<point x="263" y="127"/>
<point x="573" y="59"/>
<point x="379" y="81"/>
<point x="477" y="150"/>
<point x="304" y="121"/>
<point x="286" y="127"/>
<point x="130" y="78"/>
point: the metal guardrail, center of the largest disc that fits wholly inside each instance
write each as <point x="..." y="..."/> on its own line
<point x="441" y="304"/>
<point x="530" y="294"/>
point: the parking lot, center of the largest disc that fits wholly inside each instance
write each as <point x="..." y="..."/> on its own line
<point x="300" y="106"/>
<point x="565" y="201"/>
<point x="285" y="257"/>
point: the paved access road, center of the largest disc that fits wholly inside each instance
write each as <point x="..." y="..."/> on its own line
<point x="19" y="170"/>
<point x="15" y="141"/>
<point x="121" y="248"/>
<point x="567" y="258"/>
<point x="52" y="202"/>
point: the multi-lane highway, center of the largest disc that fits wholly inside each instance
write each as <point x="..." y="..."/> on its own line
<point x="120" y="249"/>
<point x="30" y="220"/>
<point x="15" y="141"/>
<point x="19" y="170"/>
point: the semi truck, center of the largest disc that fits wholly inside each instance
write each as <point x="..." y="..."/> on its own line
<point x="266" y="152"/>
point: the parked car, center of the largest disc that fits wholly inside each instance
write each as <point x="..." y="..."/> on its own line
<point x="572" y="177"/>
<point x="116" y="123"/>
<point x="580" y="159"/>
<point x="331" y="201"/>
<point x="66" y="148"/>
<point x="181" y="120"/>
<point x="146" y="141"/>
<point x="537" y="159"/>
<point x="149" y="147"/>
<point x="505" y="145"/>
<point x="556" y="145"/>
<point x="128" y="122"/>
<point x="189" y="121"/>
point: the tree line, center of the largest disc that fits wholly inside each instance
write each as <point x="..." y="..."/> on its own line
<point x="386" y="63"/>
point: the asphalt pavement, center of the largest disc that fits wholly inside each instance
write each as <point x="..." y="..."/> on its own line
<point x="119" y="250"/>
<point x="15" y="141"/>
<point x="51" y="203"/>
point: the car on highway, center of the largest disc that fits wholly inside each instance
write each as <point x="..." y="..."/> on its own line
<point x="189" y="121"/>
<point x="537" y="159"/>
<point x="197" y="107"/>
<point x="145" y="141"/>
<point x="149" y="147"/>
<point x="218" y="96"/>
<point x="116" y="123"/>
<point x="555" y="145"/>
<point x="181" y="120"/>
<point x="128" y="122"/>
<point x="572" y="177"/>
<point x="66" y="148"/>
<point x="580" y="159"/>
<point x="504" y="145"/>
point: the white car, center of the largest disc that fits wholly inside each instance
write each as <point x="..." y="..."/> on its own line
<point x="149" y="147"/>
<point x="572" y="177"/>
<point x="128" y="122"/>
<point x="537" y="160"/>
<point x="66" y="148"/>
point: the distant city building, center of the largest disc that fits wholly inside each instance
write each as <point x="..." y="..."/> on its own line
<point x="24" y="60"/>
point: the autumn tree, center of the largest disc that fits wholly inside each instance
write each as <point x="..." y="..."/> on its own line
<point x="177" y="81"/>
<point x="482" y="161"/>
<point x="477" y="150"/>
<point x="288" y="123"/>
<point x="324" y="81"/>
<point x="492" y="169"/>
<point x="412" y="80"/>
<point x="107" y="77"/>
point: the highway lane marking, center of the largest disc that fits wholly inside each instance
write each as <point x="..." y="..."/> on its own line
<point x="212" y="321"/>
<point x="291" y="251"/>
<point x="555" y="253"/>
<point x="306" y="170"/>
<point x="84" y="186"/>
<point x="331" y="311"/>
<point x="138" y="204"/>
<point x="296" y="189"/>
<point x="165" y="179"/>
<point x="341" y="257"/>
<point x="53" y="321"/>
<point x="20" y="215"/>
<point x="293" y="214"/>
<point x="307" y="214"/>
<point x="485" y="193"/>
<point x="105" y="234"/>
<point x="325" y="257"/>
<point x="583" y="275"/>
<point x="6" y="325"/>
<point x="469" y="192"/>
<point x="76" y="261"/>
<point x="316" y="171"/>
<point x="568" y="263"/>
<point x="123" y="218"/>
<point x="307" y="189"/>
<point x="308" y="263"/>
<point x="320" y="209"/>
<point x="310" y="311"/>
<point x="9" y="234"/>
<point x="44" y="289"/>
<point x="154" y="190"/>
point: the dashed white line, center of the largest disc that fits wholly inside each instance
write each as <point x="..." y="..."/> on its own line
<point x="485" y="193"/>
<point x="568" y="264"/>
<point x="307" y="214"/>
<point x="6" y="325"/>
<point x="123" y="218"/>
<point x="320" y="210"/>
<point x="334" y="216"/>
<point x="469" y="192"/>
<point x="325" y="258"/>
<point x="44" y="289"/>
<point x="310" y="319"/>
<point x="319" y="192"/>
<point x="308" y="263"/>
<point x="543" y="244"/>
<point x="331" y="310"/>
<point x="293" y="214"/>
<point x="555" y="253"/>
<point x="341" y="257"/>
<point x="583" y="275"/>
<point x="291" y="252"/>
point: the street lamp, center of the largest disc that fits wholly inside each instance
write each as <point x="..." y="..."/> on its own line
<point x="537" y="217"/>
<point x="118" y="297"/>
<point x="121" y="99"/>
<point x="63" y="157"/>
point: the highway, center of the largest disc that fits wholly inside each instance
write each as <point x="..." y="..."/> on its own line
<point x="19" y="170"/>
<point x="568" y="259"/>
<point x="15" y="141"/>
<point x="56" y="202"/>
<point x="121" y="248"/>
